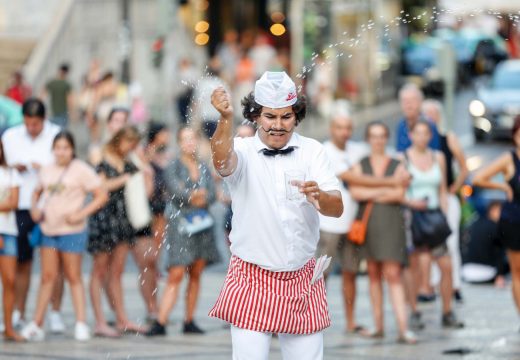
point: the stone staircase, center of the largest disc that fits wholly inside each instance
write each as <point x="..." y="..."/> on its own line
<point x="14" y="52"/>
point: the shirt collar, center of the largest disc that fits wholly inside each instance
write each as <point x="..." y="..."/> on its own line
<point x="40" y="135"/>
<point x="294" y="141"/>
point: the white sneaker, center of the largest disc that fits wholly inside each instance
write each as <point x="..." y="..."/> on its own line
<point x="33" y="332"/>
<point x="56" y="323"/>
<point x="16" y="319"/>
<point x="81" y="331"/>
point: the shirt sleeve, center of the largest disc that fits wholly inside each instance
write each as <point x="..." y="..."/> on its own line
<point x="321" y="171"/>
<point x="90" y="180"/>
<point x="16" y="179"/>
<point x="240" y="150"/>
<point x="7" y="146"/>
<point x="400" y="146"/>
<point x="435" y="141"/>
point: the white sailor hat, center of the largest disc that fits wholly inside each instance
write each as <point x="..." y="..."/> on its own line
<point x="275" y="90"/>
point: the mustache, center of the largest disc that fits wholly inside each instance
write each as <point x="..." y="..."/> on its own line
<point x="271" y="130"/>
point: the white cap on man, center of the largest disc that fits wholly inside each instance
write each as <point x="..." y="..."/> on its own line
<point x="275" y="90"/>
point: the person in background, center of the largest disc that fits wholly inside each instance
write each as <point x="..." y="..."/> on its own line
<point x="139" y="114"/>
<point x="192" y="188"/>
<point x="117" y="119"/>
<point x="508" y="164"/>
<point x="453" y="153"/>
<point x="142" y="253"/>
<point x="19" y="91"/>
<point x="483" y="257"/>
<point x="59" y="91"/>
<point x="207" y="113"/>
<point x="245" y="130"/>
<point x="28" y="147"/>
<point x="156" y="152"/>
<point x="262" y="54"/>
<point x="111" y="234"/>
<point x="428" y="191"/>
<point x="10" y="182"/>
<point x="410" y="99"/>
<point x="188" y="78"/>
<point x="229" y="54"/>
<point x="343" y="154"/>
<point x="385" y="241"/>
<point x="59" y="206"/>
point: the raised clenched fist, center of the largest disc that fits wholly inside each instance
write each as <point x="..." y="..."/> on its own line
<point x="221" y="100"/>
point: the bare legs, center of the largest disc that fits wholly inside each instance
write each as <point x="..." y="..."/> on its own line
<point x="50" y="266"/>
<point x="171" y="291"/>
<point x="144" y="253"/>
<point x="107" y="270"/>
<point x="349" y="297"/>
<point x="514" y="263"/>
<point x="8" y="274"/>
<point x="23" y="281"/>
<point x="391" y="271"/>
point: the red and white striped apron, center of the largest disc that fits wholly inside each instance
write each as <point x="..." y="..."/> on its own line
<point x="256" y="299"/>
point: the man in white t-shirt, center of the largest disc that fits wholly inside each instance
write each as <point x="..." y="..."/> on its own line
<point x="343" y="154"/>
<point x="27" y="148"/>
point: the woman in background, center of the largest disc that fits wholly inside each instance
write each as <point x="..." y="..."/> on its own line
<point x="193" y="191"/>
<point x="9" y="190"/>
<point x="508" y="165"/>
<point x="58" y="204"/>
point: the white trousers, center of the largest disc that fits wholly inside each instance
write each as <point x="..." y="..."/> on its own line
<point x="253" y="345"/>
<point x="453" y="216"/>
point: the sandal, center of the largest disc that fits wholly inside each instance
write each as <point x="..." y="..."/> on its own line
<point x="14" y="337"/>
<point x="408" y="338"/>
<point x="374" y="334"/>
<point x="106" y="332"/>
<point x="358" y="330"/>
<point x="131" y="328"/>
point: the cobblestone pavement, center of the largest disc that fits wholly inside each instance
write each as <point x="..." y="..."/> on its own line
<point x="491" y="331"/>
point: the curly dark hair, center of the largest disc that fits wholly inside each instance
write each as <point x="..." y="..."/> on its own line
<point x="251" y="109"/>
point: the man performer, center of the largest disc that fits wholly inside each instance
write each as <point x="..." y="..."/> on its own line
<point x="269" y="288"/>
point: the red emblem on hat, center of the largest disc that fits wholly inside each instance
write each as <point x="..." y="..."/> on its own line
<point x="290" y="96"/>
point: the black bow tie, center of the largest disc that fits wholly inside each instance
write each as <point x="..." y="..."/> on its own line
<point x="273" y="152"/>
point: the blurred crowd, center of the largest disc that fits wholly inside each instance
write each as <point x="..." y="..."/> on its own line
<point x="133" y="194"/>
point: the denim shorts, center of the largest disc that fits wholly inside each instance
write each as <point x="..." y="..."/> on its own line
<point x="10" y="247"/>
<point x="71" y="243"/>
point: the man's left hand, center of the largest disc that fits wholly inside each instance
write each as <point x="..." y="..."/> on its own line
<point x="312" y="192"/>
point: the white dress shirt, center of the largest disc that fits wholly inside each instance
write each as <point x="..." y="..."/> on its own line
<point x="269" y="230"/>
<point x="342" y="160"/>
<point x="21" y="148"/>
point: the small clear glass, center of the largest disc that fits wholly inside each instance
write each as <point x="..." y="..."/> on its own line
<point x="294" y="179"/>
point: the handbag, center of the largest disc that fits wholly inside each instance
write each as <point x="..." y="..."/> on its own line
<point x="195" y="222"/>
<point x="136" y="202"/>
<point x="36" y="236"/>
<point x="429" y="228"/>
<point x="358" y="229"/>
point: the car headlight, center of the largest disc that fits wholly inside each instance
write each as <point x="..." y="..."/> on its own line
<point x="477" y="108"/>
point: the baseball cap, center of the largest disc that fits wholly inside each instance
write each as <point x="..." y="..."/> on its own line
<point x="275" y="90"/>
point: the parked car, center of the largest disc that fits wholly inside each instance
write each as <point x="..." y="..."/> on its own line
<point x="477" y="53"/>
<point x="497" y="103"/>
